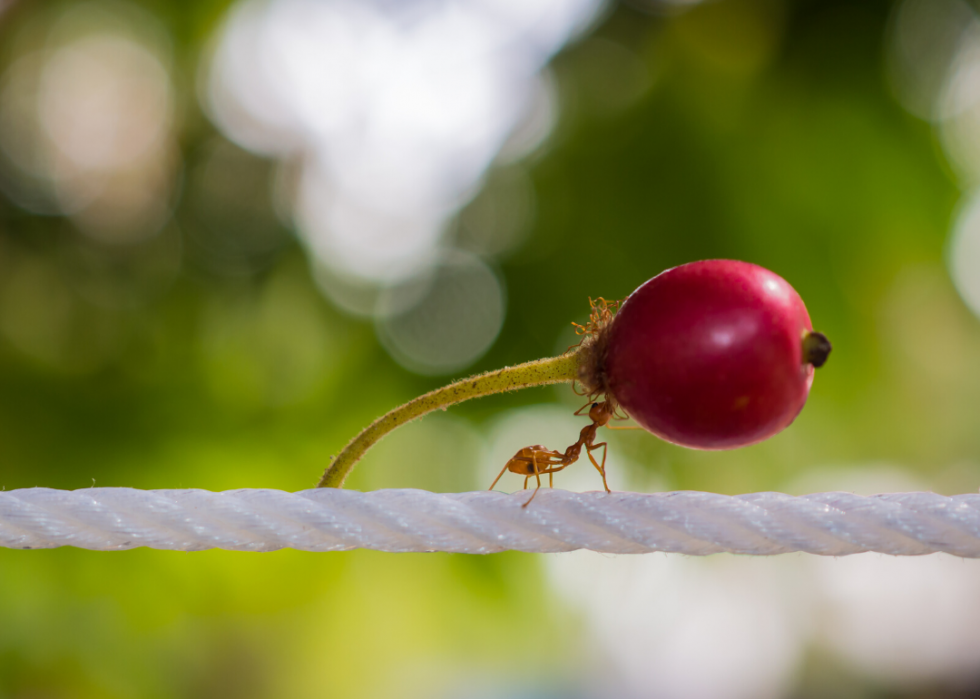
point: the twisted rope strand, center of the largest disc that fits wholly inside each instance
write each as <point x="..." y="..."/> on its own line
<point x="326" y="519"/>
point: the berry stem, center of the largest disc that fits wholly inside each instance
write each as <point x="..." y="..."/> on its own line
<point x="562" y="369"/>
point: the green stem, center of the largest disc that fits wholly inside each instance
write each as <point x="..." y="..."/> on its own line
<point x="539" y="373"/>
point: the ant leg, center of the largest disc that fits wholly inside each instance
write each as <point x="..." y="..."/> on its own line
<point x="557" y="467"/>
<point x="551" y="476"/>
<point x="602" y="468"/>
<point x="538" y="476"/>
<point x="525" y="482"/>
<point x="502" y="471"/>
<point x="551" y="458"/>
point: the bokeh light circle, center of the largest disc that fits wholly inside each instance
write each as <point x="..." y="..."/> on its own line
<point x="964" y="254"/>
<point x="457" y="314"/>
<point x="86" y="124"/>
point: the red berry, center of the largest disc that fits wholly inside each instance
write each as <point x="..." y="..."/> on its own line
<point x="711" y="355"/>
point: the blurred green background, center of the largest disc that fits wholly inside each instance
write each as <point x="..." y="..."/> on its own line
<point x="201" y="285"/>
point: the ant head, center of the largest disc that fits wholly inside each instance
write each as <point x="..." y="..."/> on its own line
<point x="600" y="413"/>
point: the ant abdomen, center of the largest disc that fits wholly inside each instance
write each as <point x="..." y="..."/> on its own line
<point x="523" y="462"/>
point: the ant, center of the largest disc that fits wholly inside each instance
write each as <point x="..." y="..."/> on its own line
<point x="537" y="460"/>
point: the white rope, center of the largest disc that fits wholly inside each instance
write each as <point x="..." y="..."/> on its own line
<point x="326" y="519"/>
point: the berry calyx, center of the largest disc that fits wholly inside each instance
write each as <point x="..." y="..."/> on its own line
<point x="816" y="349"/>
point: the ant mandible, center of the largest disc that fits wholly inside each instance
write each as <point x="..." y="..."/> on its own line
<point x="537" y="460"/>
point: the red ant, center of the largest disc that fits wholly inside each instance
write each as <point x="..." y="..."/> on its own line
<point x="537" y="460"/>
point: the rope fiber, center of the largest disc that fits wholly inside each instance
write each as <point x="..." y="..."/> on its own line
<point x="328" y="519"/>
